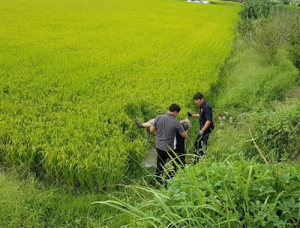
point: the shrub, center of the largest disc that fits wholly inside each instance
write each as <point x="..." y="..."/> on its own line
<point x="255" y="9"/>
<point x="275" y="129"/>
<point x="278" y="132"/>
<point x="294" y="38"/>
<point x="264" y="35"/>
<point x="266" y="28"/>
<point x="286" y="2"/>
<point x="239" y="194"/>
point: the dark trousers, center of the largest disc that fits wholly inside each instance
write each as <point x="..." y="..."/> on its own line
<point x="162" y="157"/>
<point x="200" y="146"/>
<point x="179" y="160"/>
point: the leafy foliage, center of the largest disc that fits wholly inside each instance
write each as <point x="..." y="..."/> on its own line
<point x="294" y="38"/>
<point x="278" y="137"/>
<point x="255" y="9"/>
<point x="266" y="36"/>
<point x="267" y="28"/>
<point x="238" y="194"/>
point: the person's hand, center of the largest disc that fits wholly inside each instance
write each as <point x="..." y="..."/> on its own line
<point x="189" y="114"/>
<point x="201" y="133"/>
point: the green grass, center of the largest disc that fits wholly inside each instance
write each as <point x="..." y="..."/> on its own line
<point x="27" y="202"/>
<point x="250" y="98"/>
<point x="250" y="79"/>
<point x="75" y="73"/>
<point x="220" y="194"/>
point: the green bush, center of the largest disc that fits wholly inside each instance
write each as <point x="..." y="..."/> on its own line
<point x="264" y="35"/>
<point x="275" y="128"/>
<point x="278" y="132"/>
<point x="267" y="28"/>
<point x="294" y="38"/>
<point x="238" y="194"/>
<point x="286" y="2"/>
<point x="256" y="9"/>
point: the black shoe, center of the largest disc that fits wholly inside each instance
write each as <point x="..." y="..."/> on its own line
<point x="138" y="123"/>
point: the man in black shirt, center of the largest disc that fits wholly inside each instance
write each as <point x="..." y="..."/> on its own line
<point x="206" y="125"/>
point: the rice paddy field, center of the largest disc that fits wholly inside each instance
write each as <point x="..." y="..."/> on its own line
<point x="74" y="75"/>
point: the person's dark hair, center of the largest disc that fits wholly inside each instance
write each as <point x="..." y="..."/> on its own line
<point x="174" y="108"/>
<point x="198" y="96"/>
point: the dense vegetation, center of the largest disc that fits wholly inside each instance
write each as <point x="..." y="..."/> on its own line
<point x="270" y="107"/>
<point x="221" y="194"/>
<point x="236" y="184"/>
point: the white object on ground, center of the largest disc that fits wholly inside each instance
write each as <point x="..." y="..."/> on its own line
<point x="198" y="1"/>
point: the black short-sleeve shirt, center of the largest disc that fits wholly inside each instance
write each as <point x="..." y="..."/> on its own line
<point x="206" y="114"/>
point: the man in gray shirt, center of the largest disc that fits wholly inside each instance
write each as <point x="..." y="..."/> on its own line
<point x="166" y="127"/>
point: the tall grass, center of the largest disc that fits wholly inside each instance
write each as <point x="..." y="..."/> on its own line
<point x="75" y="73"/>
<point x="217" y="194"/>
<point x="251" y="79"/>
<point x="252" y="95"/>
<point x="27" y="202"/>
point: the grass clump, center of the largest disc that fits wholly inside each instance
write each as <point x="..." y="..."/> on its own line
<point x="221" y="194"/>
<point x="278" y="137"/>
<point x="249" y="79"/>
<point x="28" y="202"/>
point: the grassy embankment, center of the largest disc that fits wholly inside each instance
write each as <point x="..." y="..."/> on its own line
<point x="258" y="98"/>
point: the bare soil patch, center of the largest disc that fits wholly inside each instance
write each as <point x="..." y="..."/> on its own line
<point x="293" y="93"/>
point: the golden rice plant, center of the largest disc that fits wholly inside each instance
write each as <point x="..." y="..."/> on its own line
<point x="75" y="73"/>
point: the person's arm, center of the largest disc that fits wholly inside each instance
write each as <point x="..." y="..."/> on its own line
<point x="207" y="123"/>
<point x="181" y="131"/>
<point x="153" y="124"/>
<point x="184" y="134"/>
<point x="197" y="115"/>
<point x="152" y="129"/>
<point x="208" y="114"/>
